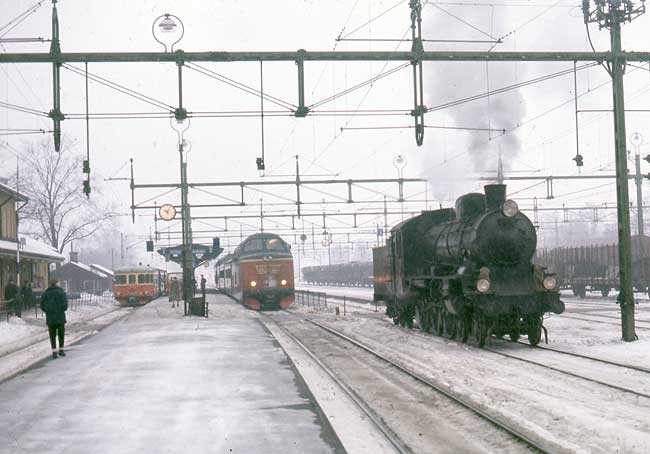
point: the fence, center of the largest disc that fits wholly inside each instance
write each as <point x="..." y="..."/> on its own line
<point x="75" y="300"/>
<point x="316" y="300"/>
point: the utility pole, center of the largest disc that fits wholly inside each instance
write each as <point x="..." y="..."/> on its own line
<point x="611" y="14"/>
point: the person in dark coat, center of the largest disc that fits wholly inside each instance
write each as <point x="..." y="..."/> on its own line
<point x="54" y="303"/>
<point x="26" y="293"/>
<point x="203" y="281"/>
<point x="11" y="296"/>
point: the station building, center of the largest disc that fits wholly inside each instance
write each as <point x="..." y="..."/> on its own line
<point x="76" y="277"/>
<point x="33" y="257"/>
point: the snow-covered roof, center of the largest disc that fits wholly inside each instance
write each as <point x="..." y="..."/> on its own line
<point x="101" y="269"/>
<point x="89" y="269"/>
<point x="31" y="249"/>
<point x="12" y="192"/>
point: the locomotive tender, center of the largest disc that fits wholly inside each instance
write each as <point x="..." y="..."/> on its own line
<point x="467" y="271"/>
<point x="259" y="273"/>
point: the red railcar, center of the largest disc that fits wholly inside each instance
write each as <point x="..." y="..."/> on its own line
<point x="137" y="285"/>
<point x="259" y="273"/>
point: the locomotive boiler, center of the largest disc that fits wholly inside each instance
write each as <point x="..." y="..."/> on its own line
<point x="467" y="271"/>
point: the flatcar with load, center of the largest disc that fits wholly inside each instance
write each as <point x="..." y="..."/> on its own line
<point x="467" y="271"/>
<point x="137" y="285"/>
<point x="259" y="273"/>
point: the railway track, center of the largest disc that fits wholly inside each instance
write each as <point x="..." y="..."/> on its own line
<point x="376" y="420"/>
<point x="593" y="358"/>
<point x="504" y="426"/>
<point x="546" y="365"/>
<point x="645" y="328"/>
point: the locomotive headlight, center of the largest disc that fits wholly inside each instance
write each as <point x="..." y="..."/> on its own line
<point x="483" y="285"/>
<point x="253" y="283"/>
<point x="283" y="282"/>
<point x="510" y="208"/>
<point x="550" y="283"/>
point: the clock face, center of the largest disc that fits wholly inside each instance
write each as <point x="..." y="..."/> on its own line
<point x="167" y="212"/>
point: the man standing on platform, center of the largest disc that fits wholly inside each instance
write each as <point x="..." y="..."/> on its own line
<point x="54" y="303"/>
<point x="203" y="281"/>
<point x="174" y="292"/>
<point x="11" y="296"/>
<point x="26" y="294"/>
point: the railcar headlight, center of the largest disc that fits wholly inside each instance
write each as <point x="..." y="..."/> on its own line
<point x="253" y="283"/>
<point x="283" y="282"/>
<point x="510" y="208"/>
<point x="550" y="283"/>
<point x="483" y="285"/>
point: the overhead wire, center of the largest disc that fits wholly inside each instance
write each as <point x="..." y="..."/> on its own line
<point x="121" y="88"/>
<point x="19" y="19"/>
<point x="240" y="86"/>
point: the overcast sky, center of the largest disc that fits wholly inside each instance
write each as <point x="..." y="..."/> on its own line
<point x="539" y="119"/>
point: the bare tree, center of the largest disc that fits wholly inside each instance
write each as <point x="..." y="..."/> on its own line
<point x="58" y="212"/>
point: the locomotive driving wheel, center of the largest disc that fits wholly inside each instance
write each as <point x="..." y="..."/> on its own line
<point x="479" y="329"/>
<point x="438" y="324"/>
<point x="423" y="318"/>
<point x="534" y="325"/>
<point x="451" y="325"/>
<point x="464" y="326"/>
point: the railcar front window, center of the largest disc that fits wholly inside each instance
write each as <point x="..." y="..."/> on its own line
<point x="120" y="279"/>
<point x="275" y="244"/>
<point x="253" y="245"/>
<point x="131" y="278"/>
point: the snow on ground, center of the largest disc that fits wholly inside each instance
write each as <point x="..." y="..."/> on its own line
<point x="20" y="332"/>
<point x="582" y="417"/>
<point x="16" y="328"/>
<point x="592" y="338"/>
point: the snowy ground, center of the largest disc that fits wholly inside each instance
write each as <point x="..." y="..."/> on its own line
<point x="598" y="335"/>
<point x="580" y="416"/>
<point x="19" y="332"/>
<point x="576" y="415"/>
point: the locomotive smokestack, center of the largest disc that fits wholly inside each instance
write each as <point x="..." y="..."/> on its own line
<point x="495" y="195"/>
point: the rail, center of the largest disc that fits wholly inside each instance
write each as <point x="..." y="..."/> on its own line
<point x="452" y="395"/>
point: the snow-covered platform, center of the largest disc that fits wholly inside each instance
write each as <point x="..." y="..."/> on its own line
<point x="158" y="382"/>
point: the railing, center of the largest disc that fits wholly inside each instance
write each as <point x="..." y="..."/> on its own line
<point x="18" y="306"/>
<point x="316" y="300"/>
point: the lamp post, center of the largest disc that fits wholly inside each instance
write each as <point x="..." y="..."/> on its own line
<point x="168" y="30"/>
<point x="399" y="162"/>
<point x="637" y="139"/>
<point x="184" y="146"/>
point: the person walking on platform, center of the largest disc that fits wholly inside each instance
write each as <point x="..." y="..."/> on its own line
<point x="203" y="281"/>
<point x="174" y="292"/>
<point x="54" y="303"/>
<point x="11" y="296"/>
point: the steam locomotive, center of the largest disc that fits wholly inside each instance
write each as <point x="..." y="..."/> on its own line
<point x="467" y="271"/>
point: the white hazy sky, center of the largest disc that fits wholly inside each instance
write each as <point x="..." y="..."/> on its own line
<point x="539" y="118"/>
